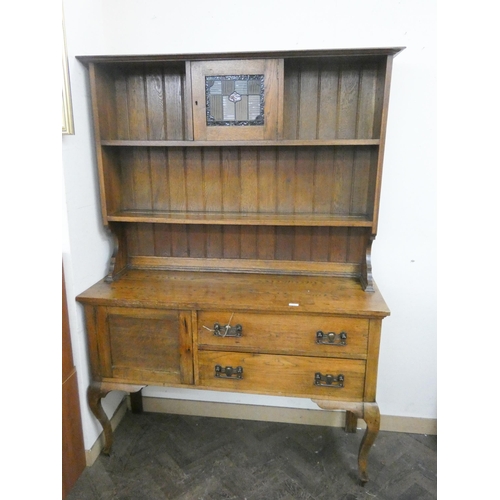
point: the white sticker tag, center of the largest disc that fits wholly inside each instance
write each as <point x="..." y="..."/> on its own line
<point x="293" y="304"/>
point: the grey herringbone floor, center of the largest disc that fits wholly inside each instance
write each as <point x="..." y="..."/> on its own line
<point x="158" y="456"/>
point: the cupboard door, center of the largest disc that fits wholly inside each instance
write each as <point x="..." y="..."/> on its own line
<point x="237" y="100"/>
<point x="145" y="345"/>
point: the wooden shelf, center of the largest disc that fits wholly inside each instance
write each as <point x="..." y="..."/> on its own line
<point x="331" y="142"/>
<point x="245" y="219"/>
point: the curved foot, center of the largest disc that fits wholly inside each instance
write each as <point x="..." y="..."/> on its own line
<point x="95" y="393"/>
<point x="371" y="415"/>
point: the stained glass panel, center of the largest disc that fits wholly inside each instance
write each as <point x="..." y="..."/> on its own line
<point x="235" y="100"/>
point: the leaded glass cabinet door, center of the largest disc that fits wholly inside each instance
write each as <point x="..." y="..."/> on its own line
<point x="237" y="100"/>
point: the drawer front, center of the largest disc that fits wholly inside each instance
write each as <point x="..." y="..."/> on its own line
<point x="281" y="375"/>
<point x="287" y="334"/>
<point x="145" y="345"/>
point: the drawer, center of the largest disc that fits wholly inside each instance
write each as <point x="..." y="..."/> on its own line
<point x="281" y="374"/>
<point x="287" y="334"/>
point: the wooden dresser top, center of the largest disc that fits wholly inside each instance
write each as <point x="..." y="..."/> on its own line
<point x="238" y="291"/>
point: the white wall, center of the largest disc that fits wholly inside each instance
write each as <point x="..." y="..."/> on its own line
<point x="404" y="254"/>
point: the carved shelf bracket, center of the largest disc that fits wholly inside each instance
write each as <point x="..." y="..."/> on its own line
<point x="366" y="277"/>
<point x="117" y="262"/>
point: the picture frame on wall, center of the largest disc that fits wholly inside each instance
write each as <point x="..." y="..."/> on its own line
<point x="67" y="109"/>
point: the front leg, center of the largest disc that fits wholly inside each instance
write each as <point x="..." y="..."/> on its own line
<point x="371" y="415"/>
<point x="95" y="393"/>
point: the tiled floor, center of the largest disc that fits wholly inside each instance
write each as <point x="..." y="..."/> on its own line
<point x="159" y="456"/>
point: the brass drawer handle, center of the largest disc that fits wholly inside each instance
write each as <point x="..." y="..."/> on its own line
<point x="331" y="337"/>
<point x="328" y="380"/>
<point x="228" y="372"/>
<point x="227" y="331"/>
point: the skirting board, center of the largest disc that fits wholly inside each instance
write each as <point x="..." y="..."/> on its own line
<point x="390" y="423"/>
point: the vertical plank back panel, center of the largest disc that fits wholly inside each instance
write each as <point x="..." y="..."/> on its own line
<point x="266" y="242"/>
<point x="162" y="240"/>
<point x="249" y="174"/>
<point x="159" y="179"/>
<point x="285" y="180"/>
<point x="328" y="99"/>
<point x="231" y="242"/>
<point x="357" y="244"/>
<point x="361" y="182"/>
<point x="145" y="241"/>
<point x="176" y="178"/>
<point x="366" y="102"/>
<point x="320" y="240"/>
<point x="308" y="101"/>
<point x="212" y="179"/>
<point x="316" y="244"/>
<point x="127" y="165"/>
<point x="214" y="242"/>
<point x="105" y="102"/>
<point x="231" y="189"/>
<point x="267" y="180"/>
<point x="197" y="239"/>
<point x="291" y="100"/>
<point x="141" y="178"/>
<point x="175" y="103"/>
<point x="302" y="243"/>
<point x="323" y="180"/>
<point x="342" y="180"/>
<point x="194" y="180"/>
<point x="112" y="179"/>
<point x="137" y="108"/>
<point x="179" y="240"/>
<point x="249" y="242"/>
<point x="285" y="237"/>
<point x="122" y="114"/>
<point x="155" y="103"/>
<point x="304" y="187"/>
<point x="348" y="102"/>
<point x="338" y="244"/>
<point x="144" y="102"/>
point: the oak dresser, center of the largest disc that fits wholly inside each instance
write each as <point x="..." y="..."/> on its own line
<point x="242" y="193"/>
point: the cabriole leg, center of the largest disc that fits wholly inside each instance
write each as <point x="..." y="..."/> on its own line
<point x="94" y="396"/>
<point x="371" y="415"/>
